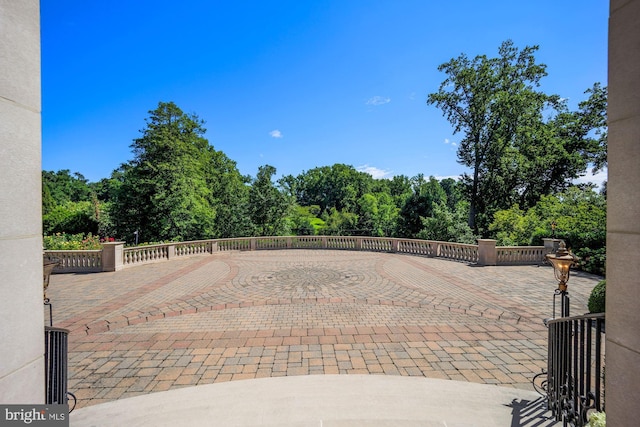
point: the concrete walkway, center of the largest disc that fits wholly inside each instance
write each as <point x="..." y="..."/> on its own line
<point x="326" y="401"/>
<point x="264" y="314"/>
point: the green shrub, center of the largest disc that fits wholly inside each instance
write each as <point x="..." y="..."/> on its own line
<point x="71" y="242"/>
<point x="592" y="260"/>
<point x="597" y="419"/>
<point x="597" y="298"/>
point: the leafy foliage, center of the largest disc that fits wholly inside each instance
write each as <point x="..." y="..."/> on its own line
<point x="519" y="142"/>
<point x="268" y="206"/>
<point x="71" y="217"/>
<point x="579" y="214"/>
<point x="71" y="242"/>
<point x="446" y="225"/>
<point x="178" y="187"/>
<point x="597" y="298"/>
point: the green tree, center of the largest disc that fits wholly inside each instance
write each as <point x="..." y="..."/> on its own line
<point x="518" y="142"/>
<point x="268" y="206"/>
<point x="426" y="194"/>
<point x="400" y="189"/>
<point x="164" y="194"/>
<point x="580" y="215"/>
<point x="71" y="218"/>
<point x="338" y="186"/>
<point x="63" y="186"/>
<point x="340" y="223"/>
<point x="305" y="220"/>
<point x="69" y="204"/>
<point x="230" y="191"/>
<point x="547" y="155"/>
<point x="488" y="99"/>
<point x="447" y="225"/>
<point x="453" y="190"/>
<point x="378" y="214"/>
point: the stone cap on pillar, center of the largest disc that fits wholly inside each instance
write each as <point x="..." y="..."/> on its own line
<point x="112" y="256"/>
<point x="487" y="254"/>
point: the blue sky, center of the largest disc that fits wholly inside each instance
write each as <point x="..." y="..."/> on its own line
<point x="294" y="84"/>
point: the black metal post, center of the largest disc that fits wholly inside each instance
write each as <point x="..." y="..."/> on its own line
<point x="48" y="302"/>
<point x="564" y="301"/>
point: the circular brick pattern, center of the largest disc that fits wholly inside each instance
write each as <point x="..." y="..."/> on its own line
<point x="307" y="281"/>
<point x="242" y="315"/>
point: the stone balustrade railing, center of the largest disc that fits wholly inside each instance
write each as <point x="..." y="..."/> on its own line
<point x="114" y="256"/>
<point x="75" y="261"/>
<point x="513" y="255"/>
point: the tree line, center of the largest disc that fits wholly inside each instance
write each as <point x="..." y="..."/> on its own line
<point x="523" y="149"/>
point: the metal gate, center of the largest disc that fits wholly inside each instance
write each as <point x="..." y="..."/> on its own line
<point x="55" y="366"/>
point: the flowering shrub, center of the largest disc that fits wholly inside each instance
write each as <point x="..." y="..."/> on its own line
<point x="72" y="242"/>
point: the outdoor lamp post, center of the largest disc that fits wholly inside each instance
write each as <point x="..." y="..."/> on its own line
<point x="562" y="261"/>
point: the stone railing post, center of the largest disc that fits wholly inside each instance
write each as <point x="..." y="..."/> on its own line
<point x="358" y="244"/>
<point x="289" y="241"/>
<point x="252" y="244"/>
<point x="394" y="245"/>
<point x="112" y="253"/>
<point x="324" y="242"/>
<point x="171" y="251"/>
<point x="487" y="254"/>
<point x="551" y="245"/>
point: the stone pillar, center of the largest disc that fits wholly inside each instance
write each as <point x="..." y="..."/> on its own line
<point x="112" y="256"/>
<point x="171" y="251"/>
<point x="21" y="309"/>
<point x="551" y="245"/>
<point x="623" y="215"/>
<point x="487" y="252"/>
<point x="252" y="243"/>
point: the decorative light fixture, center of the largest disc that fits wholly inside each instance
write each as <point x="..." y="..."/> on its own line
<point x="562" y="261"/>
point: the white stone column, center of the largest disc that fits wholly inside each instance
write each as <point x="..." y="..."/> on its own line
<point x="623" y="215"/>
<point x="21" y="309"/>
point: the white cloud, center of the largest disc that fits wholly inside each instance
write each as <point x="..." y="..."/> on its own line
<point x="374" y="171"/>
<point x="441" y="177"/>
<point x="275" y="133"/>
<point x="597" y="179"/>
<point x="453" y="144"/>
<point x="378" y="100"/>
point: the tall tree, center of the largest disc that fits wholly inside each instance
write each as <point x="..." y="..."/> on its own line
<point x="63" y="186"/>
<point x="164" y="194"/>
<point x="420" y="204"/>
<point x="230" y="192"/>
<point x="519" y="142"/>
<point x="488" y="99"/>
<point x="268" y="206"/>
<point x="338" y="186"/>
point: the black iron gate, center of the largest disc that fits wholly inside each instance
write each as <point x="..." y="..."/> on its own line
<point x="575" y="367"/>
<point x="55" y="367"/>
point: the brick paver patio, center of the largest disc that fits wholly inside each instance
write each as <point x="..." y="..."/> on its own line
<point x="241" y="315"/>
